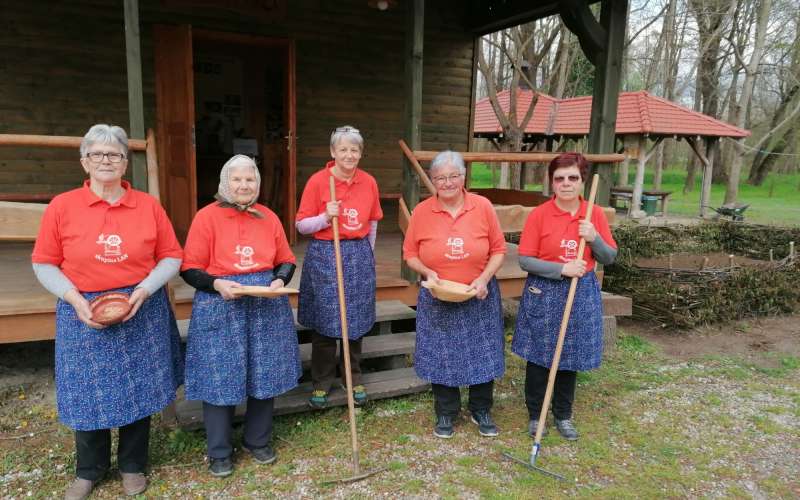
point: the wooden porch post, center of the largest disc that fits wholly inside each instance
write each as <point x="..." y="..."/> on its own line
<point x="607" y="77"/>
<point x="415" y="31"/>
<point x="135" y="96"/>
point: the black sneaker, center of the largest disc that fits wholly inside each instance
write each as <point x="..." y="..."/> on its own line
<point x="221" y="467"/>
<point x="486" y="426"/>
<point x="532" y="425"/>
<point x="567" y="429"/>
<point x="265" y="455"/>
<point x="444" y="427"/>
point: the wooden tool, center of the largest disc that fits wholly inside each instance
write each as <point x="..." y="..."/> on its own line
<point x="357" y="474"/>
<point x="263" y="291"/>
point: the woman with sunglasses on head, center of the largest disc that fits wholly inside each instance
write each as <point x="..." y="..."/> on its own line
<point x="358" y="209"/>
<point x="108" y="237"/>
<point x="548" y="251"/>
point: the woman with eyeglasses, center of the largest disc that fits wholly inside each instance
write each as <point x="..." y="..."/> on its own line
<point x="357" y="206"/>
<point x="456" y="236"/>
<point x="106" y="236"/>
<point x="239" y="349"/>
<point x="548" y="251"/>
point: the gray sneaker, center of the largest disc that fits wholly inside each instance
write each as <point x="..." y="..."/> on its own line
<point x="265" y="455"/>
<point x="444" y="427"/>
<point x="567" y="429"/>
<point x="532" y="425"/>
<point x="79" y="489"/>
<point x="486" y="426"/>
<point x="220" y="467"/>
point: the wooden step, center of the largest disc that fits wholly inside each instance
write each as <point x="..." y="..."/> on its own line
<point x="379" y="385"/>
<point x="385" y="312"/>
<point x="374" y="346"/>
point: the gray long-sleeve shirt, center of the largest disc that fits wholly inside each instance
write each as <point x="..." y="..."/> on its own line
<point x="601" y="251"/>
<point x="57" y="283"/>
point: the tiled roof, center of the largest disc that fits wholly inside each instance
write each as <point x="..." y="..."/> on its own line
<point x="638" y="113"/>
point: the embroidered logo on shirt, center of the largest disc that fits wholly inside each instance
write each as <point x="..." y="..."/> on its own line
<point x="112" y="249"/>
<point x="456" y="249"/>
<point x="570" y="250"/>
<point x="245" y="254"/>
<point x="351" y="221"/>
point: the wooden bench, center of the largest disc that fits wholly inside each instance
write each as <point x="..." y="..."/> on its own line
<point x="624" y="195"/>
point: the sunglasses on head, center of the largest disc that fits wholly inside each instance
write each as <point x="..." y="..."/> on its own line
<point x="558" y="179"/>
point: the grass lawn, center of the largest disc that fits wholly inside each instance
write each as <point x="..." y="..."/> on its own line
<point x="651" y="426"/>
<point x="777" y="201"/>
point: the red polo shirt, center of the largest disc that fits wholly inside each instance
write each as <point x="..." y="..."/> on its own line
<point x="551" y="234"/>
<point x="225" y="241"/>
<point x="99" y="246"/>
<point x="359" y="197"/>
<point x="457" y="248"/>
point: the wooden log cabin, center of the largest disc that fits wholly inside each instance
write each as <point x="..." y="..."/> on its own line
<point x="270" y="78"/>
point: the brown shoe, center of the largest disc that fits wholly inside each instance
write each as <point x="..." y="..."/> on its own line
<point x="133" y="483"/>
<point x="79" y="489"/>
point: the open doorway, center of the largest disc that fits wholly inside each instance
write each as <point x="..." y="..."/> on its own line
<point x="220" y="94"/>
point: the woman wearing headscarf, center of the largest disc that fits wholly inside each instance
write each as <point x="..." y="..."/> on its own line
<point x="456" y="236"/>
<point x="107" y="237"/>
<point x="358" y="207"/>
<point x="239" y="348"/>
<point x="548" y="251"/>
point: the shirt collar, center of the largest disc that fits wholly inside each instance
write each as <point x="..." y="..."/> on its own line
<point x="357" y="176"/>
<point x="469" y="203"/>
<point x="127" y="199"/>
<point x="580" y="214"/>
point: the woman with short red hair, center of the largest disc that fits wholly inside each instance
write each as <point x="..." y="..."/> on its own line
<point x="548" y="251"/>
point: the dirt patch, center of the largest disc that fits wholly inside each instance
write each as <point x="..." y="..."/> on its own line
<point x="762" y="341"/>
<point x="688" y="261"/>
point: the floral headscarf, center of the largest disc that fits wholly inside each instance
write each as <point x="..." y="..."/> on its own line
<point x="224" y="194"/>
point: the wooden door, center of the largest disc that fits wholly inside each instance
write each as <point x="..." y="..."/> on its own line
<point x="175" y="124"/>
<point x="290" y="151"/>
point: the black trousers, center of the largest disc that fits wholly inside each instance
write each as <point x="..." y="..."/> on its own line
<point x="563" y="391"/>
<point x="218" y="421"/>
<point x="93" y="450"/>
<point x="324" y="360"/>
<point x="447" y="400"/>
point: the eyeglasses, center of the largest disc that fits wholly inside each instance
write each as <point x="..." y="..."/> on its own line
<point x="444" y="179"/>
<point x="97" y="157"/>
<point x="346" y="130"/>
<point x="560" y="178"/>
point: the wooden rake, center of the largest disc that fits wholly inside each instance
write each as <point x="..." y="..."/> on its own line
<point x="357" y="475"/>
<point x="551" y="379"/>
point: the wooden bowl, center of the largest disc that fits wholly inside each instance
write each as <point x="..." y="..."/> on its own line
<point x="109" y="308"/>
<point x="450" y="291"/>
<point x="263" y="291"/>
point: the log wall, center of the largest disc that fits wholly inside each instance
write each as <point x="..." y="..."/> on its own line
<point x="64" y="70"/>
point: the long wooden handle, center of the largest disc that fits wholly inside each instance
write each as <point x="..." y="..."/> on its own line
<point x="345" y="339"/>
<point x="573" y="285"/>
<point x="420" y="171"/>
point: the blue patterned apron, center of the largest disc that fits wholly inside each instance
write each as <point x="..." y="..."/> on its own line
<point x="539" y="320"/>
<point x="318" y="305"/>
<point x="242" y="347"/>
<point x="459" y="343"/>
<point x="122" y="373"/>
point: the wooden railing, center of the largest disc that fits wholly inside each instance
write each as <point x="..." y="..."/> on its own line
<point x="147" y="145"/>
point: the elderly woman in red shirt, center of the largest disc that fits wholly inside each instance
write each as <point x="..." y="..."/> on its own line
<point x="456" y="236"/>
<point x="239" y="348"/>
<point x="106" y="236"/>
<point x="548" y="251"/>
<point x="359" y="209"/>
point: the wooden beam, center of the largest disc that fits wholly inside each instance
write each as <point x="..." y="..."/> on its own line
<point x="410" y="157"/>
<point x="403" y="216"/>
<point x="578" y="18"/>
<point x="533" y="157"/>
<point x="20" y="221"/>
<point x="135" y="94"/>
<point x="152" y="165"/>
<point x="57" y="141"/>
<point x="607" y="77"/>
<point x="415" y="37"/>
